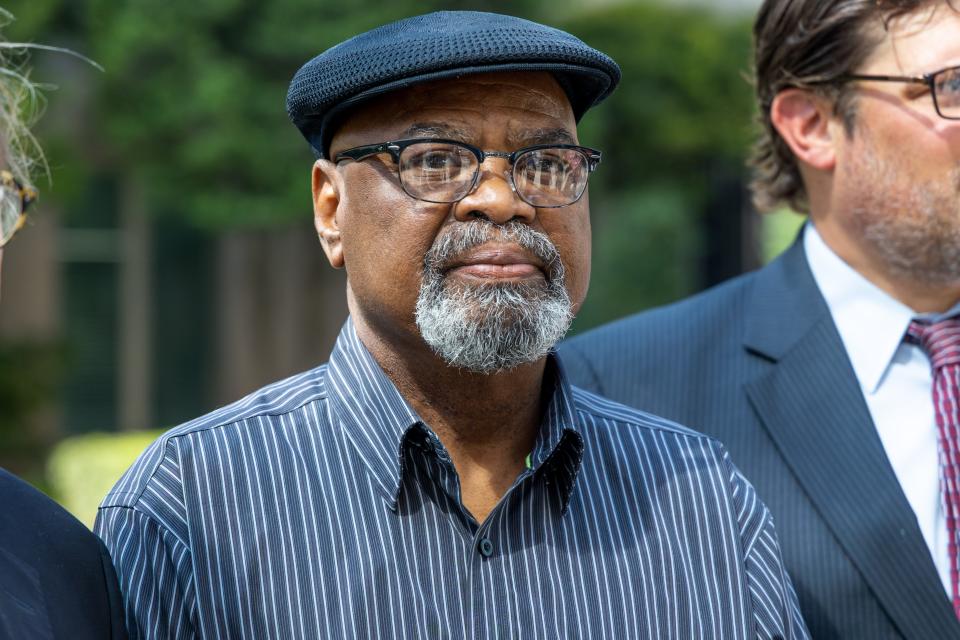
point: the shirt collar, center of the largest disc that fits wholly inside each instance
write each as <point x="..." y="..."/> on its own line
<point x="374" y="416"/>
<point x="558" y="450"/>
<point x="871" y="323"/>
<point x="379" y="422"/>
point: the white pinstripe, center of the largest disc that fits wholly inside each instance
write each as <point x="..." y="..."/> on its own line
<point x="319" y="507"/>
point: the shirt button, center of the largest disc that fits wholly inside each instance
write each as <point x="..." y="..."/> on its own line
<point x="486" y="547"/>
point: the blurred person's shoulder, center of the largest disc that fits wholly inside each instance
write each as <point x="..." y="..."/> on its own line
<point x="694" y="348"/>
<point x="283" y="407"/>
<point x="56" y="579"/>
<point x="649" y="338"/>
<point x="30" y="516"/>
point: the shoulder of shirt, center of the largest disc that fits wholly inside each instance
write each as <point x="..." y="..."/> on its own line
<point x="589" y="404"/>
<point x="277" y="399"/>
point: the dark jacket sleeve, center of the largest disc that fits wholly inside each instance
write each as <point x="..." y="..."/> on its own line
<point x="56" y="577"/>
<point x="114" y="602"/>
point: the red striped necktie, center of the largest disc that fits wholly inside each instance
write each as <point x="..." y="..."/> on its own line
<point x="941" y="341"/>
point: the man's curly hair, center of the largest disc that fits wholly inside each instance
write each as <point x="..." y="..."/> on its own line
<point x="810" y="44"/>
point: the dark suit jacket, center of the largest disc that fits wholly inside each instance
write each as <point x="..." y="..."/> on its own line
<point x="56" y="578"/>
<point x="758" y="363"/>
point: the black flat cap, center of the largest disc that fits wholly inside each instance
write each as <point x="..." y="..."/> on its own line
<point x="438" y="45"/>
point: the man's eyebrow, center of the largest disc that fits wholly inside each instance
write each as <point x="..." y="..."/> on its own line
<point x="434" y="130"/>
<point x="530" y="137"/>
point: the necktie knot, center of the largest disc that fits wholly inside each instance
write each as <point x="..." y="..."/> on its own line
<point x="941" y="340"/>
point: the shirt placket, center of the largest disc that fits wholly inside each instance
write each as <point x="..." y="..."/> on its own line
<point x="485" y="551"/>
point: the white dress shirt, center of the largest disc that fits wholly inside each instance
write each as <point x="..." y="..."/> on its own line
<point x="896" y="381"/>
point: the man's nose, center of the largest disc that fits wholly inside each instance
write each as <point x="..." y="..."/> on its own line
<point x="494" y="197"/>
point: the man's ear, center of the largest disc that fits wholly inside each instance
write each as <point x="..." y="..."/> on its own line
<point x="805" y="122"/>
<point x="327" y="188"/>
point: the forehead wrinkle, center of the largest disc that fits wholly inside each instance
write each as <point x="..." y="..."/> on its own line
<point x="435" y="130"/>
<point x="531" y="92"/>
<point x="516" y="138"/>
<point x="529" y="137"/>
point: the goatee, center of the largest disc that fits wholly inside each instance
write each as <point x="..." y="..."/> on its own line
<point x="485" y="328"/>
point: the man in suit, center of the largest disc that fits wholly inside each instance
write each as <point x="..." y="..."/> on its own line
<point x="56" y="578"/>
<point x="831" y="374"/>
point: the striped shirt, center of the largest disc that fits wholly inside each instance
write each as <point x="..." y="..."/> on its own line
<point x="322" y="507"/>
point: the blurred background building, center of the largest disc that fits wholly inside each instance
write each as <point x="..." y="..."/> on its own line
<point x="171" y="265"/>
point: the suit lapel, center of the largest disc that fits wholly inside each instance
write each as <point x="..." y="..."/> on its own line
<point x="813" y="408"/>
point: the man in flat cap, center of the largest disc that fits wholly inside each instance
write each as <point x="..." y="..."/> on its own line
<point x="438" y="477"/>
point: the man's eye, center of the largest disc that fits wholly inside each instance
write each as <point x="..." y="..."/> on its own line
<point x="543" y="166"/>
<point x="948" y="87"/>
<point x="435" y="161"/>
<point x="548" y="164"/>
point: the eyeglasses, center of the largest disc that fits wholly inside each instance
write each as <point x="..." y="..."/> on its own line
<point x="445" y="171"/>
<point x="14" y="201"/>
<point x="944" y="86"/>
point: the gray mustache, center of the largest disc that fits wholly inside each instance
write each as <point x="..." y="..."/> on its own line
<point x="464" y="237"/>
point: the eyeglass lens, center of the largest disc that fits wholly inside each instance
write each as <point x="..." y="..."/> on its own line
<point x="551" y="177"/>
<point x="10" y="211"/>
<point x="438" y="172"/>
<point x="446" y="172"/>
<point x="947" y="89"/>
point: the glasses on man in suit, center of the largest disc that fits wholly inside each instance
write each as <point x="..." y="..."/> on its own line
<point x="15" y="199"/>
<point x="944" y="86"/>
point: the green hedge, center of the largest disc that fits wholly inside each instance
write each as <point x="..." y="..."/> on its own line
<point x="82" y="469"/>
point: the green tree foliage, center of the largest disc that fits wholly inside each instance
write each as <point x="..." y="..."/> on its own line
<point x="680" y="118"/>
<point x="194" y="91"/>
<point x="643" y="254"/>
<point x="29" y="375"/>
<point x="192" y="97"/>
<point x="191" y="104"/>
<point x="683" y="103"/>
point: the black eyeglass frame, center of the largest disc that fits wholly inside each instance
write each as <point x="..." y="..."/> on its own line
<point x="27" y="196"/>
<point x="396" y="147"/>
<point x="928" y="79"/>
